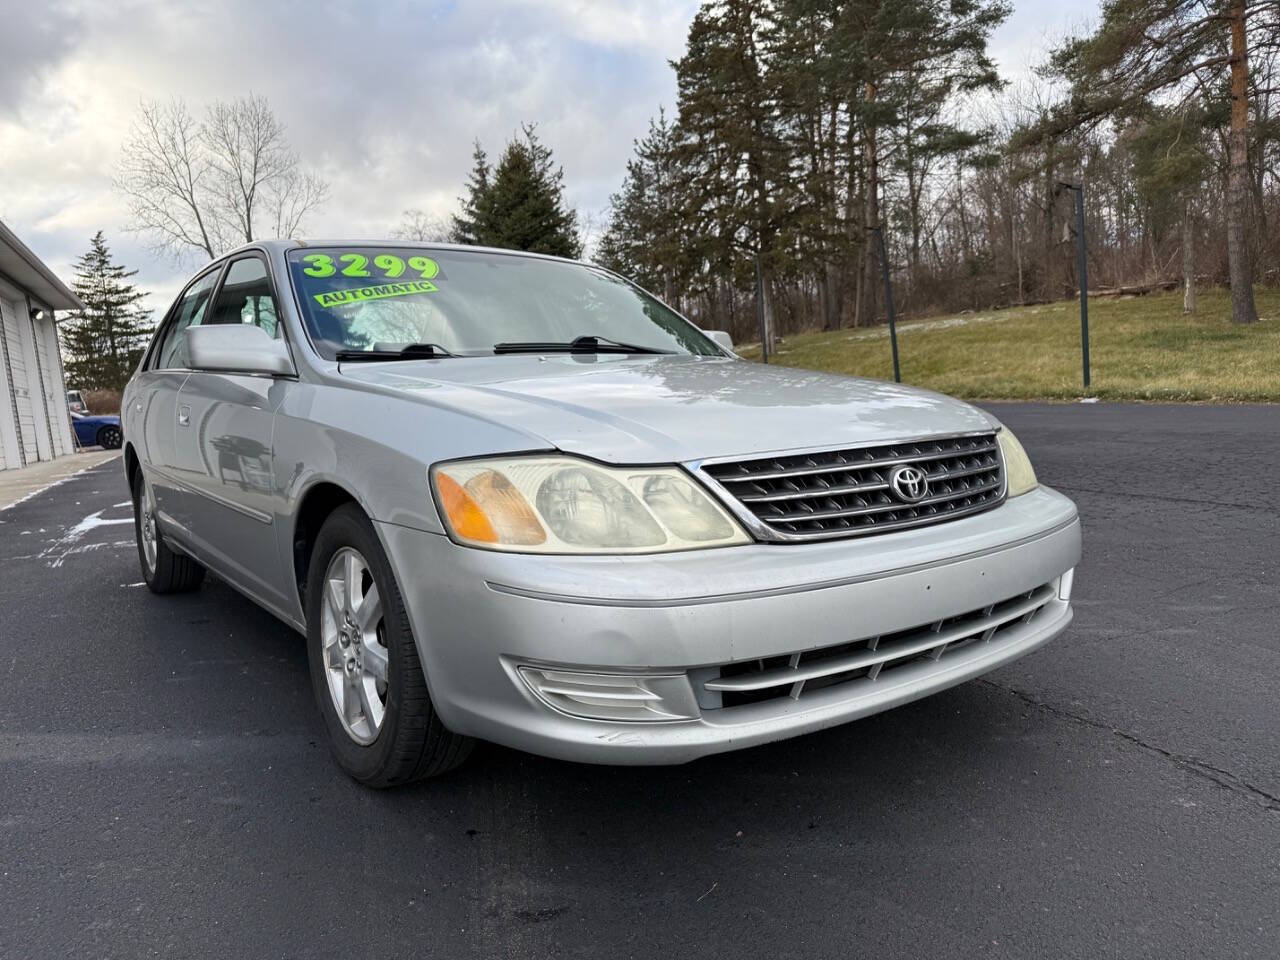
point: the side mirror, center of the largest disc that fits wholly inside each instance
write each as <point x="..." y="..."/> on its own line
<point x="237" y="348"/>
<point x="721" y="339"/>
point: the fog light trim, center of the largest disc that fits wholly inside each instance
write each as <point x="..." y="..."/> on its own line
<point x="1065" y="583"/>
<point x="614" y="697"/>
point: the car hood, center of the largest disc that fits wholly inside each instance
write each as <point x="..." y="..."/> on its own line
<point x="662" y="409"/>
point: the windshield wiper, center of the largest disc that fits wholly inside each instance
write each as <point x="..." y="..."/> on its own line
<point x="414" y="351"/>
<point x="583" y="344"/>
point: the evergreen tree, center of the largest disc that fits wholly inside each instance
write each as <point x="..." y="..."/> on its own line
<point x="646" y="239"/>
<point x="519" y="204"/>
<point x="734" y="160"/>
<point x="104" y="341"/>
<point x="466" y="225"/>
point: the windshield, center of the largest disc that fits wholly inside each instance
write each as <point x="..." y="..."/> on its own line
<point x="463" y="302"/>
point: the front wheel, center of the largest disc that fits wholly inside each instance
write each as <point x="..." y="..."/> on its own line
<point x="365" y="672"/>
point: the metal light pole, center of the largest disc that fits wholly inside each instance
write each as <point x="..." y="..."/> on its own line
<point x="1078" y="189"/>
<point x="764" y="339"/>
<point x="888" y="300"/>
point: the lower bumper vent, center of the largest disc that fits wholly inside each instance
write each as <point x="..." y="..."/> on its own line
<point x="794" y="675"/>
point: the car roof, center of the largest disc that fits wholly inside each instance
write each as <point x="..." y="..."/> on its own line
<point x="283" y="246"/>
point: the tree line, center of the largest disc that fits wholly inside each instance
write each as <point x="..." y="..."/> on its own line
<point x="802" y="126"/>
<point x="801" y="129"/>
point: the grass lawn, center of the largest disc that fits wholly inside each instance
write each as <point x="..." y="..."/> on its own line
<point x="1142" y="348"/>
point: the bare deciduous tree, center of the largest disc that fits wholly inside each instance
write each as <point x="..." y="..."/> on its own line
<point x="204" y="186"/>
<point x="421" y="226"/>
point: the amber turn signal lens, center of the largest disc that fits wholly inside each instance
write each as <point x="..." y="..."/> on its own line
<point x="465" y="516"/>
<point x="487" y="508"/>
<point x="509" y="513"/>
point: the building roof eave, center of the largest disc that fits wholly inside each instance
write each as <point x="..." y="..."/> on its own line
<point x="29" y="272"/>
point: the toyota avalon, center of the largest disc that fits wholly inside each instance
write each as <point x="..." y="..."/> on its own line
<point x="516" y="498"/>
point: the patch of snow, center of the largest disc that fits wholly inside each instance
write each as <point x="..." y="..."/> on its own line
<point x="92" y="522"/>
<point x="68" y="544"/>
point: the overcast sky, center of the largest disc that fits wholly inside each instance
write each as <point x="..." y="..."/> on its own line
<point x="383" y="100"/>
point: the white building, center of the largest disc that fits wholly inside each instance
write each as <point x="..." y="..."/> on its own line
<point x="34" y="423"/>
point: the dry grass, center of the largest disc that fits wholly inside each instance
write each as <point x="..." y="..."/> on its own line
<point x="1143" y="348"/>
<point x="102" y="401"/>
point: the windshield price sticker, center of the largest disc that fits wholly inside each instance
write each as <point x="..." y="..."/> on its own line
<point x="357" y="265"/>
<point x="340" y="298"/>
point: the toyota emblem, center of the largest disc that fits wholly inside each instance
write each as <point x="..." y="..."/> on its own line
<point x="910" y="484"/>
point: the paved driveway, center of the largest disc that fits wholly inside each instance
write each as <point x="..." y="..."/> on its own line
<point x="165" y="789"/>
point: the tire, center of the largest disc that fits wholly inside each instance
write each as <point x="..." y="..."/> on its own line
<point x="350" y="640"/>
<point x="168" y="571"/>
<point x="110" y="438"/>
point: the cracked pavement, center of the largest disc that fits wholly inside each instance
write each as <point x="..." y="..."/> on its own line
<point x="165" y="789"/>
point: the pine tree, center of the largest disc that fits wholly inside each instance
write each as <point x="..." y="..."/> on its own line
<point x="104" y="341"/>
<point x="646" y="240"/>
<point x="732" y="153"/>
<point x="519" y="204"/>
<point x="466" y="225"/>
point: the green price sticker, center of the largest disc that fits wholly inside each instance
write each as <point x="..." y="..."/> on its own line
<point x="341" y="298"/>
<point x="357" y="265"/>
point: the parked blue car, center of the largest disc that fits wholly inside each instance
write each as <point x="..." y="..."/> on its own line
<point x="102" y="431"/>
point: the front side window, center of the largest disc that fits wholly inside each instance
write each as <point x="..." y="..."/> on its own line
<point x="474" y="303"/>
<point x="189" y="312"/>
<point x="246" y="297"/>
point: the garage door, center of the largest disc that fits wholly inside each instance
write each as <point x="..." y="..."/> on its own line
<point x="54" y="396"/>
<point x="20" y="383"/>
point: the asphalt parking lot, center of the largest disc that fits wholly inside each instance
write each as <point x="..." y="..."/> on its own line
<point x="165" y="789"/>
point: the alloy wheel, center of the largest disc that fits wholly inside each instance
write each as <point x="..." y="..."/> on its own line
<point x="354" y="645"/>
<point x="147" y="527"/>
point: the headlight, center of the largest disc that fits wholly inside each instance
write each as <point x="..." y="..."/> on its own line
<point x="557" y="504"/>
<point x="1019" y="477"/>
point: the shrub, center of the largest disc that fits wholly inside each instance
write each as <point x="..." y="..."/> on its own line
<point x="102" y="401"/>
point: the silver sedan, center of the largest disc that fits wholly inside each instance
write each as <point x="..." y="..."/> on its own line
<point x="512" y="497"/>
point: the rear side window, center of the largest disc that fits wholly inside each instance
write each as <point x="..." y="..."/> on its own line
<point x="190" y="312"/>
<point x="246" y="297"/>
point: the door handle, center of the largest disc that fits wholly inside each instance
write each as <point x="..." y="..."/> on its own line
<point x="184" y="416"/>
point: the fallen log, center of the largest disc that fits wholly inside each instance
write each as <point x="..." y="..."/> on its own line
<point x="1134" y="290"/>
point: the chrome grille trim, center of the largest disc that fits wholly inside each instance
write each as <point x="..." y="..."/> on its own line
<point x="788" y="675"/>
<point x="845" y="491"/>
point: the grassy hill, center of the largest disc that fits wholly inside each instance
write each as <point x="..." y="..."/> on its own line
<point x="1142" y="348"/>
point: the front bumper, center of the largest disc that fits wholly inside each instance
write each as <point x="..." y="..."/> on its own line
<point x="478" y="615"/>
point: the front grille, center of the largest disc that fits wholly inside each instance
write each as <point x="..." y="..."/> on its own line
<point x="845" y="493"/>
<point x="863" y="661"/>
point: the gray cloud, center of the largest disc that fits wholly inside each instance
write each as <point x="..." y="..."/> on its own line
<point x="34" y="40"/>
<point x="384" y="99"/>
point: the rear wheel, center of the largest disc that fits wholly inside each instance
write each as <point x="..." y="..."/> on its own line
<point x="365" y="672"/>
<point x="164" y="570"/>
<point x="110" y="438"/>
